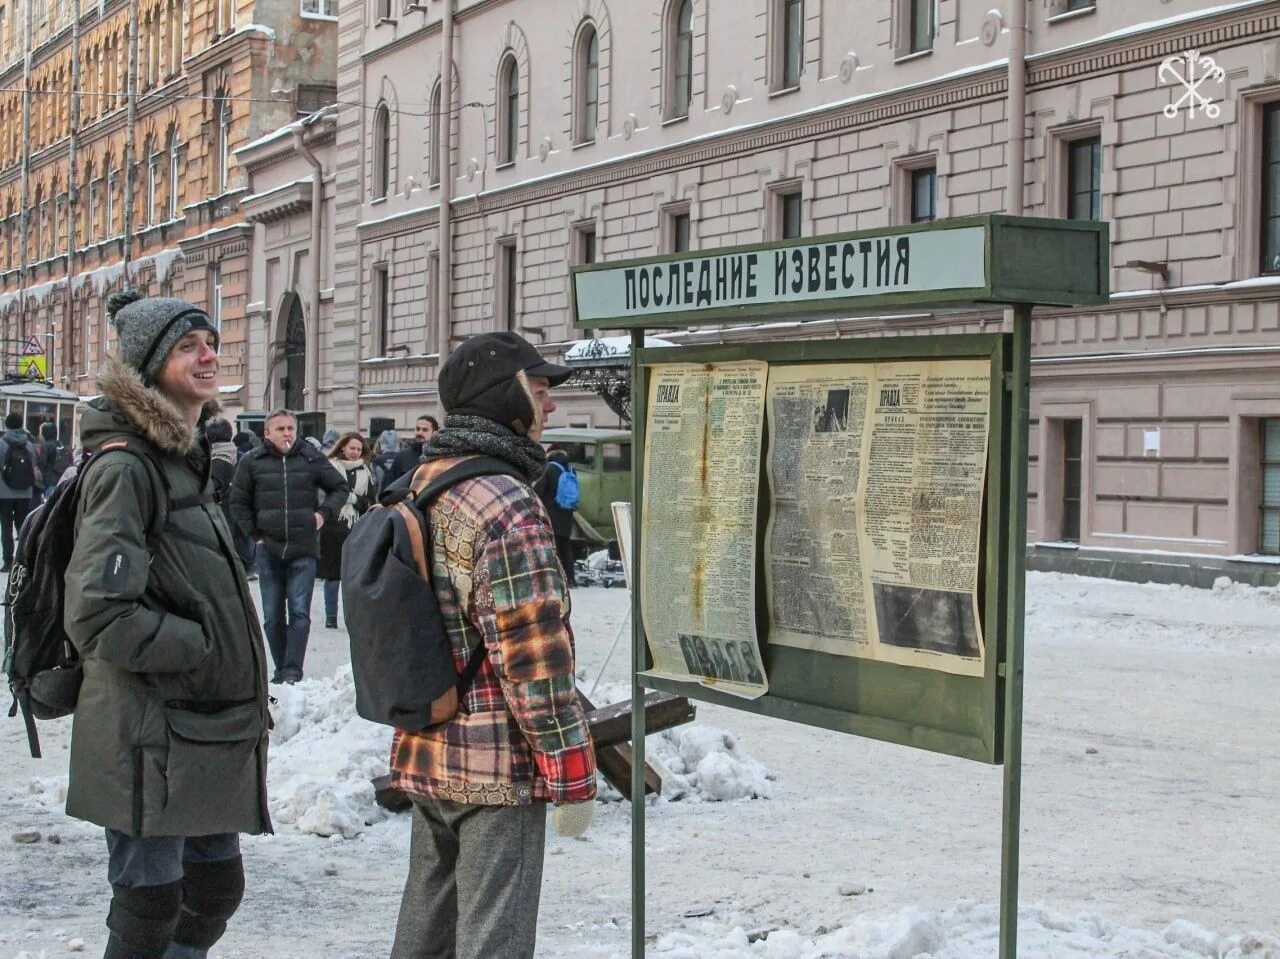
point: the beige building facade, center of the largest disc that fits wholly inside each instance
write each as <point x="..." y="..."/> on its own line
<point x="468" y="181"/>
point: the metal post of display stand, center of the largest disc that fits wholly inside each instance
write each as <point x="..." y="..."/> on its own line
<point x="1015" y="597"/>
<point x="639" y="404"/>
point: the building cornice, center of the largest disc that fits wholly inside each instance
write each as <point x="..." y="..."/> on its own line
<point x="226" y="48"/>
<point x="411" y="221"/>
<point x="279" y="203"/>
<point x="213" y="245"/>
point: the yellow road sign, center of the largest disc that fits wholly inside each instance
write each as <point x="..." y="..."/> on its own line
<point x="34" y="367"/>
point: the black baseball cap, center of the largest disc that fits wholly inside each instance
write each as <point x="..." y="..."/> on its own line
<point x="489" y="360"/>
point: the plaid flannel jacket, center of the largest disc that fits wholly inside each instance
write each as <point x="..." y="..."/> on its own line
<point x="520" y="735"/>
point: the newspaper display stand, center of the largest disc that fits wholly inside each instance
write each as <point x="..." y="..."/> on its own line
<point x="974" y="711"/>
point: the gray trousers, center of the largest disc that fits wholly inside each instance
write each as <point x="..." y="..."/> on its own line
<point x="475" y="875"/>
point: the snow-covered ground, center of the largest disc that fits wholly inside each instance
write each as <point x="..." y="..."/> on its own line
<point x="1151" y="814"/>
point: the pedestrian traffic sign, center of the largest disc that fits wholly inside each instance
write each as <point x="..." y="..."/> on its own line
<point x="33" y="346"/>
<point x="34" y="367"/>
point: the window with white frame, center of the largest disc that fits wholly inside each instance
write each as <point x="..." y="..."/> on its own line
<point x="153" y="186"/>
<point x="222" y="145"/>
<point x="215" y="295"/>
<point x="433" y="300"/>
<point x="1084" y="178"/>
<point x="679" y="59"/>
<point x="113" y="187"/>
<point x="587" y="82"/>
<point x="320" y="8"/>
<point x="93" y="203"/>
<point x="177" y="161"/>
<point x="508" y="109"/>
<point x="924" y="194"/>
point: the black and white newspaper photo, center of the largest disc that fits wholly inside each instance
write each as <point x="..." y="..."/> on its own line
<point x="876" y="476"/>
<point x="698" y="552"/>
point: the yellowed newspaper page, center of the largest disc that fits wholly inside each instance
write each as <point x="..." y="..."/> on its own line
<point x="926" y="468"/>
<point x="698" y="548"/>
<point x="816" y="582"/>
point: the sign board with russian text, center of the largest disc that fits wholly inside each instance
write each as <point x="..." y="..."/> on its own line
<point x="966" y="262"/>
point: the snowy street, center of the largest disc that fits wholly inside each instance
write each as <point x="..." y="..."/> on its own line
<point x="1151" y="797"/>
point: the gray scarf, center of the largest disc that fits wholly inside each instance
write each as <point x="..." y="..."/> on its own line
<point x="475" y="435"/>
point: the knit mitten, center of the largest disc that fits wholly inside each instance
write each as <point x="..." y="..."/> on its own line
<point x="572" y="819"/>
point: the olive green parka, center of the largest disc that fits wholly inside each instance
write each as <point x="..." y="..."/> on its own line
<point x="170" y="731"/>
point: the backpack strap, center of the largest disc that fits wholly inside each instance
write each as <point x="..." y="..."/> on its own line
<point x="423" y="493"/>
<point x="159" y="484"/>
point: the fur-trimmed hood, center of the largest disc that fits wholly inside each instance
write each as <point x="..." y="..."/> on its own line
<point x="128" y="405"/>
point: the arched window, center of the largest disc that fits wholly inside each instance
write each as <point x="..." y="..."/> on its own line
<point x="508" y="109"/>
<point x="222" y="145"/>
<point x="587" y="95"/>
<point x="680" y="59"/>
<point x="437" y="128"/>
<point x="381" y="151"/>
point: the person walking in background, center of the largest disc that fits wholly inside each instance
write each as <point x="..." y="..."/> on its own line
<point x="169" y="736"/>
<point x="222" y="471"/>
<point x="383" y="460"/>
<point x="350" y="456"/>
<point x="19" y="481"/>
<point x="407" y="459"/>
<point x="561" y="518"/>
<point x="245" y="441"/>
<point x="53" y="459"/>
<point x="480" y="782"/>
<point x="273" y="500"/>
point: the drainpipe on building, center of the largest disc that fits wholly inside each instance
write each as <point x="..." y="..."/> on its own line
<point x="445" y="146"/>
<point x="73" y="188"/>
<point x="1017" y="106"/>
<point x="25" y="213"/>
<point x="131" y="120"/>
<point x="317" y="252"/>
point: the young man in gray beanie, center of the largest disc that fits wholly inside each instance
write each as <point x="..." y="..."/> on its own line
<point x="481" y="783"/>
<point x="169" y="739"/>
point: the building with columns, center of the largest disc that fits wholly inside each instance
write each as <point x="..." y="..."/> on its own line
<point x="470" y="175"/>
<point x="99" y="189"/>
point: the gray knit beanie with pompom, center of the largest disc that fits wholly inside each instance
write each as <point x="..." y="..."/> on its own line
<point x="150" y="327"/>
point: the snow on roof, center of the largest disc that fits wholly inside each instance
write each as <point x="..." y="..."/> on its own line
<point x="606" y="347"/>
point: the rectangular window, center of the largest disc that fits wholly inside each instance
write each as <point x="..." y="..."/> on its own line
<point x="792" y="42"/>
<point x="1074" y="5"/>
<point x="678" y="232"/>
<point x="790" y="206"/>
<point x="433" y="301"/>
<point x="507" y="284"/>
<point x="1270" y="242"/>
<point x="924" y="195"/>
<point x="381" y="294"/>
<point x="1084" y="179"/>
<point x="585" y="253"/>
<point x="113" y="186"/>
<point x="1072" y="432"/>
<point x="320" y="8"/>
<point x="177" y="159"/>
<point x="91" y="212"/>
<point x="920" y="25"/>
<point x="1269" y="541"/>
<point x="215" y="295"/>
<point x="153" y="184"/>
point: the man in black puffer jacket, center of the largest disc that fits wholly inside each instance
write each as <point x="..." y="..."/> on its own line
<point x="273" y="499"/>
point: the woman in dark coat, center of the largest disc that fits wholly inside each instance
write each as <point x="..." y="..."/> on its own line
<point x="350" y="456"/>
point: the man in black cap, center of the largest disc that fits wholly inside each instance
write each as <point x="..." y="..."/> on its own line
<point x="481" y="782"/>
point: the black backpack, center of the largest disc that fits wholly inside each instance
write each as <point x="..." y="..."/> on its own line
<point x="401" y="656"/>
<point x="42" y="665"/>
<point x="19" y="469"/>
<point x="58" y="458"/>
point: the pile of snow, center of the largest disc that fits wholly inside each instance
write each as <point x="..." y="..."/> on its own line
<point x="323" y="757"/>
<point x="967" y="930"/>
<point x="698" y="763"/>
